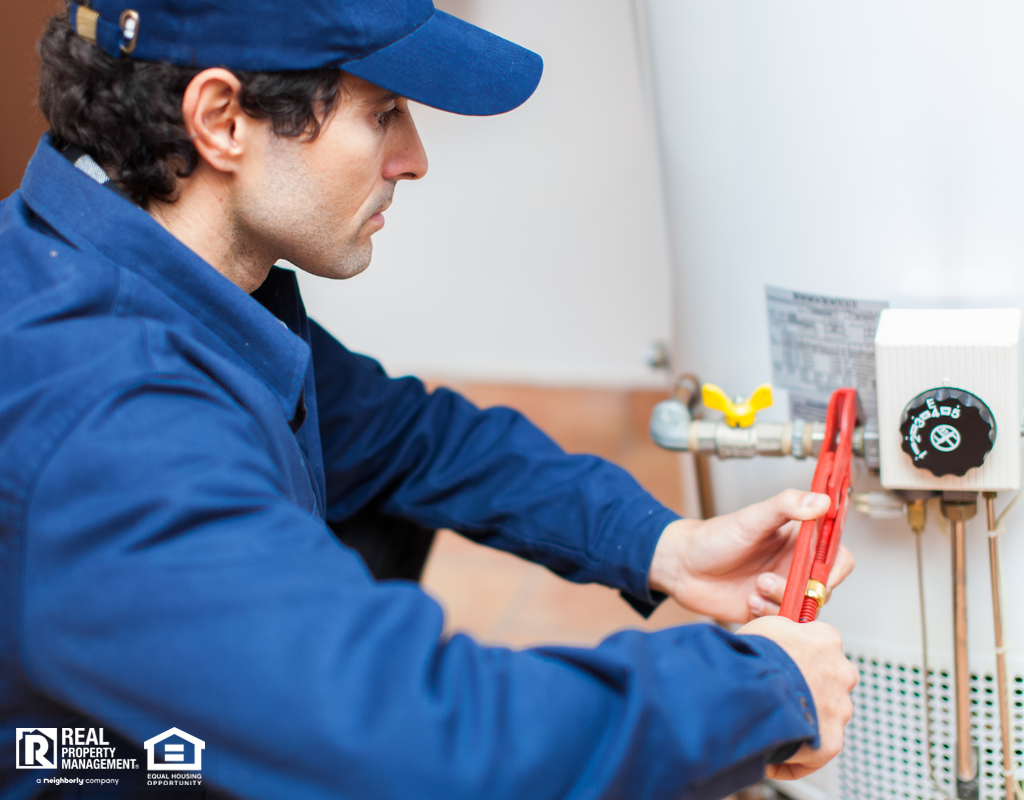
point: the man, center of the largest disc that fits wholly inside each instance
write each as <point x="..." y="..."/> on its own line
<point x="178" y="436"/>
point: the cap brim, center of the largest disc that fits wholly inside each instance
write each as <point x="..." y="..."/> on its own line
<point x="449" y="64"/>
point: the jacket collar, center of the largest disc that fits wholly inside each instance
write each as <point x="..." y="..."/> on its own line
<point x="96" y="220"/>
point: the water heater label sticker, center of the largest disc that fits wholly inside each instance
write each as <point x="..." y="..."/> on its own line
<point x="819" y="344"/>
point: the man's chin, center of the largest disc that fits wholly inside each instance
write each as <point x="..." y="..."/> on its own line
<point x="346" y="265"/>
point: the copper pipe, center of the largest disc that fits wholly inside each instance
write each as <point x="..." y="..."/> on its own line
<point x="916" y="516"/>
<point x="707" y="495"/>
<point x="687" y="390"/>
<point x="958" y="509"/>
<point x="965" y="767"/>
<point x="997" y="622"/>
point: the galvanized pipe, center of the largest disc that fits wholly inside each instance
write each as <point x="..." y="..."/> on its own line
<point x="674" y="427"/>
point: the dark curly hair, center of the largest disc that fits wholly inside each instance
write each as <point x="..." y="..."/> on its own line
<point x="126" y="114"/>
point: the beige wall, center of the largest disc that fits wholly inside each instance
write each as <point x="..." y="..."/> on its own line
<point x="22" y="123"/>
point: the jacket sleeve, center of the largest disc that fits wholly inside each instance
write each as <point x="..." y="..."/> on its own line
<point x="436" y="459"/>
<point x="168" y="581"/>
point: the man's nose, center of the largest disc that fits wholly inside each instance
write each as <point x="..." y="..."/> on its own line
<point x="407" y="160"/>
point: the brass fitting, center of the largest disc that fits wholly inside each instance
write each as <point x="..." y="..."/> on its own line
<point x="816" y="590"/>
<point x="916" y="515"/>
<point x="959" y="512"/>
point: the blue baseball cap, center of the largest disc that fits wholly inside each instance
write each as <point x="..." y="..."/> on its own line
<point x="405" y="46"/>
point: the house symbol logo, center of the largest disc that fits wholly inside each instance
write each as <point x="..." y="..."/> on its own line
<point x="175" y="750"/>
<point x="37" y="748"/>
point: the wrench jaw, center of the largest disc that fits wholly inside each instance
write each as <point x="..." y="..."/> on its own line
<point x="818" y="541"/>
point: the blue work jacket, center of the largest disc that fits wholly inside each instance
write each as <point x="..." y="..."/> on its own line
<point x="170" y="454"/>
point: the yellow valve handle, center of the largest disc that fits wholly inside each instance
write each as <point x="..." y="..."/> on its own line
<point x="741" y="413"/>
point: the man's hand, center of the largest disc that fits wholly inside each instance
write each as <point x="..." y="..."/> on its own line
<point x="733" y="567"/>
<point x="817" y="650"/>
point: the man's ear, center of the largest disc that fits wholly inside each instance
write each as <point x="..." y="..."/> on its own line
<point x="220" y="130"/>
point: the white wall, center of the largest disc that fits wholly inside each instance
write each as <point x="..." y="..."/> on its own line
<point x="535" y="248"/>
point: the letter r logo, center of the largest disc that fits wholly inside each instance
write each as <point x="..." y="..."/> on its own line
<point x="37" y="748"/>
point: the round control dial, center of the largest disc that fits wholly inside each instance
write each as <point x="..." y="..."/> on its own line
<point x="947" y="431"/>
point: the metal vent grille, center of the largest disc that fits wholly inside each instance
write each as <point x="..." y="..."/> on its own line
<point x="884" y="757"/>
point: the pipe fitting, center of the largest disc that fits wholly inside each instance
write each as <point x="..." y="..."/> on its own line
<point x="674" y="428"/>
<point x="958" y="511"/>
<point x="917" y="514"/>
<point x="816" y="591"/>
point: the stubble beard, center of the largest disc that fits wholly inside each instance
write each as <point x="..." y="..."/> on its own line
<point x="350" y="261"/>
<point x="355" y="256"/>
<point x="305" y="236"/>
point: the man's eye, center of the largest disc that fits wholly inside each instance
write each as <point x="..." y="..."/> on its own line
<point x="386" y="118"/>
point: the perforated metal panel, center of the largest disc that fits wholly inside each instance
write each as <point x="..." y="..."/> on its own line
<point x="884" y="757"/>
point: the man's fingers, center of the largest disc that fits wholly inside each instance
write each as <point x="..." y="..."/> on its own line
<point x="842" y="567"/>
<point x="805" y="761"/>
<point x="786" y="772"/>
<point x="779" y="772"/>
<point x="771" y="587"/>
<point x="802" y="505"/>
<point x="772" y="513"/>
<point x="760" y="606"/>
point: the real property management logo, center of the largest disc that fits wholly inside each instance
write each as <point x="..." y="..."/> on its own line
<point x="67" y="748"/>
<point x="88" y="749"/>
<point x="37" y="748"/>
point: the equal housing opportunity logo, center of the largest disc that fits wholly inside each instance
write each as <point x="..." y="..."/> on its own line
<point x="175" y="750"/>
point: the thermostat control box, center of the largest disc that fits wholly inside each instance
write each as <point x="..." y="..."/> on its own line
<point x="949" y="399"/>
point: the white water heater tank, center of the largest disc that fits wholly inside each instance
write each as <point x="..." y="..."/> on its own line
<point x="875" y="151"/>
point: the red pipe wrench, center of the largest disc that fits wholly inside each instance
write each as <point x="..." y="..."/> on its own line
<point x="818" y="541"/>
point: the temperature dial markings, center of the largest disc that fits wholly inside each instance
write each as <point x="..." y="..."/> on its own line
<point x="947" y="431"/>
